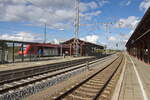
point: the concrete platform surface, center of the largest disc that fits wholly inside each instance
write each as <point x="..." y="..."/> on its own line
<point x="136" y="80"/>
<point x="12" y="66"/>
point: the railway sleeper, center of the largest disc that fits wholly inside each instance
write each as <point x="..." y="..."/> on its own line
<point x="107" y="93"/>
<point x="28" y="73"/>
<point x="75" y="97"/>
<point x="20" y="73"/>
<point x="88" y="89"/>
<point x="83" y="94"/>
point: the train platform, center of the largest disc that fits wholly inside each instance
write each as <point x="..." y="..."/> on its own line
<point x="12" y="66"/>
<point x="135" y="84"/>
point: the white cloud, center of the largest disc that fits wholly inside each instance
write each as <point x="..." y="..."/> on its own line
<point x="125" y="2"/>
<point x="144" y="5"/>
<point x="88" y="16"/>
<point x="96" y="13"/>
<point x="52" y="12"/>
<point x="125" y="37"/>
<point x="119" y="39"/>
<point x="130" y="22"/>
<point x="53" y="4"/>
<point x="55" y="41"/>
<point x="102" y="2"/>
<point x="128" y="3"/>
<point x="131" y="32"/>
<point x="86" y="6"/>
<point x="22" y="36"/>
<point x="91" y="38"/>
<point x="112" y="38"/>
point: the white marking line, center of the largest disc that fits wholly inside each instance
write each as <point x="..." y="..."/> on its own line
<point x="139" y="80"/>
<point x="119" y="83"/>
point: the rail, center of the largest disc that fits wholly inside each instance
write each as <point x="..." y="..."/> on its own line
<point x="4" y="90"/>
<point x="65" y="94"/>
<point x="11" y="75"/>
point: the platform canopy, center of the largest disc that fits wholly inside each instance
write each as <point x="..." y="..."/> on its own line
<point x="142" y="29"/>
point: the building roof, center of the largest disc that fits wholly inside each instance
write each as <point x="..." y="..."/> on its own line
<point x="141" y="28"/>
<point x="14" y="41"/>
<point x="81" y="42"/>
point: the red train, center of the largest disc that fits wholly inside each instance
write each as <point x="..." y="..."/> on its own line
<point x="43" y="49"/>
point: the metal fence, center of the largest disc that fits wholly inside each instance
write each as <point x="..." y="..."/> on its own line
<point x="9" y="54"/>
<point x="5" y="58"/>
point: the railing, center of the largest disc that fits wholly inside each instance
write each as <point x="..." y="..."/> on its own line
<point x="3" y="59"/>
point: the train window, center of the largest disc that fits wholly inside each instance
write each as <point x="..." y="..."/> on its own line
<point x="24" y="47"/>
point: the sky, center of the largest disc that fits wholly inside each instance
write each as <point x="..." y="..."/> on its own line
<point x="24" y="20"/>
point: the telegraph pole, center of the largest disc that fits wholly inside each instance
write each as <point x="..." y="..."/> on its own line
<point x="76" y="28"/>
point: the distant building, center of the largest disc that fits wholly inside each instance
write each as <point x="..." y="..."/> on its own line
<point x="85" y="48"/>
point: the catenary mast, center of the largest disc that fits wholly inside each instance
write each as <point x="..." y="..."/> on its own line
<point x="76" y="28"/>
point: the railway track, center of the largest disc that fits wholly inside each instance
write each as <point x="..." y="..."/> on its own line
<point x="94" y="87"/>
<point x="11" y="86"/>
<point x="17" y="74"/>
